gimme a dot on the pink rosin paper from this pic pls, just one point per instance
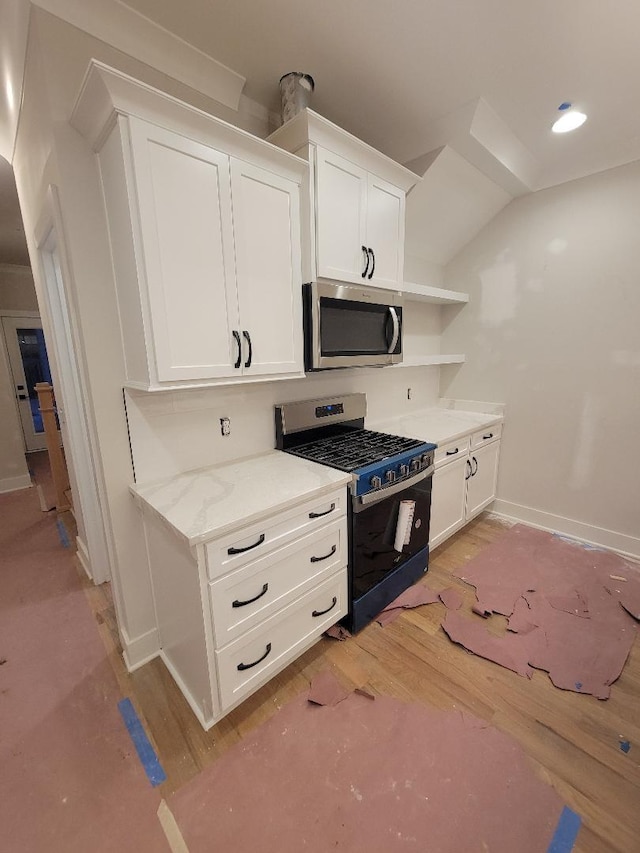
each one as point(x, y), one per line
point(562, 603)
point(629, 597)
point(70, 777)
point(379, 776)
point(511, 651)
point(415, 596)
point(326, 689)
point(451, 598)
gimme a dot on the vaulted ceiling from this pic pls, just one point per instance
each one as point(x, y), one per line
point(402, 75)
point(387, 71)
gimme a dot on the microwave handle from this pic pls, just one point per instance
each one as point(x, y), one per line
point(396, 329)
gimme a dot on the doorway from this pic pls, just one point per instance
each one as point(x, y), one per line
point(29, 365)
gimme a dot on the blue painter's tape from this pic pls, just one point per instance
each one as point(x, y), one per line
point(566, 832)
point(146, 752)
point(62, 533)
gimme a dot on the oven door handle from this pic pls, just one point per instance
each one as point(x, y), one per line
point(361, 502)
point(396, 328)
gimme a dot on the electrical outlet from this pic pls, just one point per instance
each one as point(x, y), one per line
point(225, 426)
point(408, 393)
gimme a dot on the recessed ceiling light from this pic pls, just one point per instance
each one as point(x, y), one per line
point(569, 120)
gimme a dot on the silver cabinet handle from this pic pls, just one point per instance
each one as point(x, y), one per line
point(396, 329)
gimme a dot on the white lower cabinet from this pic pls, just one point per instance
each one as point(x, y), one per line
point(448, 499)
point(235, 610)
point(481, 478)
point(253, 658)
point(464, 481)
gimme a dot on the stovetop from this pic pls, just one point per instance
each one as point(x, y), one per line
point(331, 431)
point(355, 449)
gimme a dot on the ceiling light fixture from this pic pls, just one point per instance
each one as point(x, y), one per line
point(569, 120)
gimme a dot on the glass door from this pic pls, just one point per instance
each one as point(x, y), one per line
point(29, 365)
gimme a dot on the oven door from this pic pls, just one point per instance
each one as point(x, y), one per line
point(351, 326)
point(379, 572)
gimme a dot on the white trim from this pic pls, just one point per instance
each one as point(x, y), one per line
point(83, 557)
point(49, 235)
point(627, 546)
point(132, 33)
point(12, 484)
point(140, 650)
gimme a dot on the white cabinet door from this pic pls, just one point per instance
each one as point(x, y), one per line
point(448, 500)
point(266, 211)
point(185, 226)
point(341, 202)
point(481, 486)
point(385, 231)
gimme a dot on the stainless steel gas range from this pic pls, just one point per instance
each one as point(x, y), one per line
point(390, 504)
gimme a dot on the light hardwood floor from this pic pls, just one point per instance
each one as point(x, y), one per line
point(572, 739)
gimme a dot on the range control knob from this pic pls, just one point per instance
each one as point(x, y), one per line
point(426, 459)
point(376, 482)
point(415, 464)
point(404, 470)
point(390, 476)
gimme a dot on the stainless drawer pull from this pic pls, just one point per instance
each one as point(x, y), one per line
point(248, 548)
point(322, 612)
point(487, 436)
point(237, 603)
point(326, 556)
point(320, 514)
point(452, 452)
point(243, 666)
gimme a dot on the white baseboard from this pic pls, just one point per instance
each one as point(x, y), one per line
point(83, 556)
point(12, 484)
point(139, 650)
point(627, 546)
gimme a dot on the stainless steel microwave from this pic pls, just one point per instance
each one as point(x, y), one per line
point(351, 326)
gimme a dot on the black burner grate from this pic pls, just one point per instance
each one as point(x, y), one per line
point(355, 449)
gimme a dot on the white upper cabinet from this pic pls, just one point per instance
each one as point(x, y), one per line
point(266, 211)
point(183, 194)
point(204, 227)
point(385, 232)
point(341, 221)
point(359, 223)
point(355, 216)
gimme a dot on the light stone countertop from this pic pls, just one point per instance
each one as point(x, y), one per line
point(438, 425)
point(210, 502)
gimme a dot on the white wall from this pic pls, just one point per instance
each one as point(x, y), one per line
point(552, 329)
point(17, 291)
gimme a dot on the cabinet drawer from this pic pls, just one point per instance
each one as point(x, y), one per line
point(451, 451)
point(256, 656)
point(242, 547)
point(484, 436)
point(250, 594)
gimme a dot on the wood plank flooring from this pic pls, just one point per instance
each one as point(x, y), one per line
point(572, 739)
